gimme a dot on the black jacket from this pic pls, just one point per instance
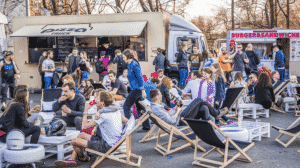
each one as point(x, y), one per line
point(99, 66)
point(193, 108)
point(15, 118)
point(264, 94)
point(165, 95)
point(253, 59)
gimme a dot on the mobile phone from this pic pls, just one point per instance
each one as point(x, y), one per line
point(180, 105)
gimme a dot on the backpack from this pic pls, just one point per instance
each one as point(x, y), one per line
point(121, 63)
point(99, 66)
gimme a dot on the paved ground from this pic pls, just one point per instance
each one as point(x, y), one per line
point(265, 154)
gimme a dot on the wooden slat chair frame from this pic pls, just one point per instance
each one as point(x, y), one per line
point(277, 91)
point(227, 145)
point(284, 132)
point(297, 112)
point(174, 133)
point(127, 138)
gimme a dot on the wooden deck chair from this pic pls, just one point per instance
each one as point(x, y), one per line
point(126, 136)
point(278, 89)
point(205, 131)
point(292, 130)
point(174, 133)
point(297, 97)
point(49, 96)
point(231, 98)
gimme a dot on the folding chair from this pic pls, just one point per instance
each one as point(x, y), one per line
point(49, 97)
point(204, 130)
point(278, 89)
point(297, 97)
point(126, 136)
point(292, 130)
point(173, 132)
point(231, 98)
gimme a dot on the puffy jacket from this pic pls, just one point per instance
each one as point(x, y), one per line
point(15, 118)
point(135, 76)
point(182, 60)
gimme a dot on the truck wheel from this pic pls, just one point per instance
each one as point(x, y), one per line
point(175, 80)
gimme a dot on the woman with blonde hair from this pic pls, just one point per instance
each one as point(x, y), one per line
point(164, 88)
point(238, 81)
point(291, 87)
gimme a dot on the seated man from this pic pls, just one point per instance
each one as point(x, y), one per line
point(251, 84)
point(72, 106)
point(197, 109)
point(193, 85)
point(109, 122)
point(117, 88)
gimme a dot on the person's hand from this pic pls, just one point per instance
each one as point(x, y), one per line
point(144, 94)
point(37, 123)
point(1, 63)
point(217, 103)
point(62, 98)
point(94, 131)
point(97, 115)
point(66, 109)
point(87, 106)
point(209, 97)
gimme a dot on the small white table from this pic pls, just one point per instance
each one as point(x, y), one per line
point(2, 161)
point(256, 130)
point(59, 145)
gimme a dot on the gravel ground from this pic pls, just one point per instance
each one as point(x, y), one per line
point(265, 154)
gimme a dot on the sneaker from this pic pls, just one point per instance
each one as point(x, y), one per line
point(229, 122)
point(65, 163)
point(223, 112)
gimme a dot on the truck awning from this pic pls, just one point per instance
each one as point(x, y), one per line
point(88, 29)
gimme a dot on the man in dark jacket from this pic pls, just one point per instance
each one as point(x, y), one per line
point(253, 58)
point(73, 61)
point(100, 69)
point(121, 64)
point(41, 60)
point(72, 106)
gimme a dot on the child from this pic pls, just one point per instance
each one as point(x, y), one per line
point(160, 74)
point(220, 89)
point(291, 87)
point(238, 81)
point(207, 90)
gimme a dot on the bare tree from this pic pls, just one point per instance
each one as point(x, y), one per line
point(142, 5)
point(88, 6)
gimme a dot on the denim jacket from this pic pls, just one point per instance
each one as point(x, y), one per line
point(159, 62)
point(135, 76)
point(220, 89)
point(279, 60)
point(182, 60)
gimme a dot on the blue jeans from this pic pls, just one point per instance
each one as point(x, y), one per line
point(183, 75)
point(281, 73)
point(48, 82)
point(133, 97)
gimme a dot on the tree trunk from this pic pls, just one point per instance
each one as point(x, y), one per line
point(157, 5)
point(54, 7)
point(174, 7)
point(142, 5)
point(276, 14)
point(232, 13)
point(45, 4)
point(88, 6)
point(151, 5)
point(288, 14)
point(272, 12)
point(118, 4)
point(267, 15)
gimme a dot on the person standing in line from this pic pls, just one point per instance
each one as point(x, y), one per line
point(121, 64)
point(240, 59)
point(253, 58)
point(136, 83)
point(279, 62)
point(48, 67)
point(73, 61)
point(224, 62)
point(41, 60)
point(195, 60)
point(210, 59)
point(84, 66)
point(182, 63)
point(101, 69)
point(8, 69)
point(159, 60)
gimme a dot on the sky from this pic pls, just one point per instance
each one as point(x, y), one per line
point(203, 7)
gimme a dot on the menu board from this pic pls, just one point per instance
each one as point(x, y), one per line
point(295, 49)
point(64, 47)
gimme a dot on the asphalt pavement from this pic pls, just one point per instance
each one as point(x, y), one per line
point(266, 153)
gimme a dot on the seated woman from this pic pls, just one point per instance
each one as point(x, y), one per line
point(88, 90)
point(291, 87)
point(238, 81)
point(15, 116)
point(264, 93)
point(82, 86)
point(69, 79)
point(108, 120)
point(124, 78)
point(76, 76)
point(164, 87)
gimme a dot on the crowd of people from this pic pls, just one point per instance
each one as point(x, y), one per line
point(206, 85)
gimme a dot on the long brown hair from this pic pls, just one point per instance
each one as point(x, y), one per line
point(19, 87)
point(21, 97)
point(204, 55)
point(264, 80)
point(77, 74)
point(166, 82)
point(219, 72)
point(83, 80)
point(209, 71)
point(238, 77)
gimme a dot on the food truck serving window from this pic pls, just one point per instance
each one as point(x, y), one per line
point(39, 44)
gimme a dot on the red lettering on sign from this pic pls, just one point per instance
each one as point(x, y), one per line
point(289, 34)
point(246, 35)
point(233, 35)
point(293, 34)
point(275, 34)
point(241, 35)
point(271, 35)
point(258, 35)
point(297, 34)
point(281, 34)
point(254, 35)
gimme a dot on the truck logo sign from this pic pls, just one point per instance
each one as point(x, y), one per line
point(63, 31)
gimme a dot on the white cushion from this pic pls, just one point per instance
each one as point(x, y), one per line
point(288, 99)
point(249, 105)
point(48, 106)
